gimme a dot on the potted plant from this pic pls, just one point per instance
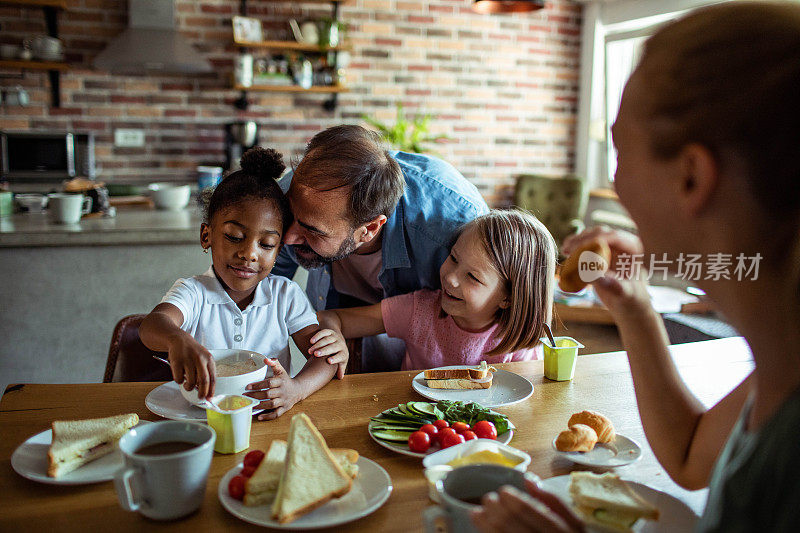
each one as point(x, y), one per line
point(406, 135)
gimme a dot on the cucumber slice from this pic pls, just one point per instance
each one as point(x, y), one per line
point(392, 435)
point(424, 408)
point(404, 429)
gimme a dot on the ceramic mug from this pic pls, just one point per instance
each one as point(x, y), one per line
point(461, 490)
point(168, 482)
point(67, 208)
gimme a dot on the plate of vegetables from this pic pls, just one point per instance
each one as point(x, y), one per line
point(421, 428)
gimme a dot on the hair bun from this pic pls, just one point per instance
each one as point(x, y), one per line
point(263, 162)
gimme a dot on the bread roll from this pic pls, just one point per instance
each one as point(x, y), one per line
point(569, 279)
point(578, 438)
point(600, 424)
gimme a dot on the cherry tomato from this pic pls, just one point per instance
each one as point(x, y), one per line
point(469, 435)
point(236, 487)
point(441, 424)
point(253, 458)
point(452, 439)
point(430, 429)
point(460, 427)
point(419, 442)
point(443, 433)
point(485, 430)
point(248, 471)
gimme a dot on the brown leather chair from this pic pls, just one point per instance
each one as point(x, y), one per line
point(129, 359)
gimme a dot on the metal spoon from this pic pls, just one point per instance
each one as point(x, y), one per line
point(550, 335)
point(203, 403)
point(157, 358)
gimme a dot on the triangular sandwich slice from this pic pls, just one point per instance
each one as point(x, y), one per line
point(77, 442)
point(607, 502)
point(311, 475)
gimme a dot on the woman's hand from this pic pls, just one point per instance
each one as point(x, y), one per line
point(278, 392)
point(191, 365)
point(511, 510)
point(328, 342)
point(623, 289)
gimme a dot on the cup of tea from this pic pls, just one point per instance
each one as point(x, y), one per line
point(65, 208)
point(462, 489)
point(166, 469)
point(560, 360)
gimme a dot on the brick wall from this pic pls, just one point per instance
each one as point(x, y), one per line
point(503, 87)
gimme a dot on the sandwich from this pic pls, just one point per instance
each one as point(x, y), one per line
point(606, 502)
point(262, 486)
point(77, 442)
point(460, 378)
point(311, 475)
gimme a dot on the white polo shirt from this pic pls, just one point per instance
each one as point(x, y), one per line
point(279, 308)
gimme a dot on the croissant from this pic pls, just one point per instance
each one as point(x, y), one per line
point(578, 438)
point(600, 424)
point(569, 278)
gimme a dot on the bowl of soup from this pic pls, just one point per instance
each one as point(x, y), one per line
point(235, 370)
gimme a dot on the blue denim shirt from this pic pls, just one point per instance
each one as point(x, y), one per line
point(417, 237)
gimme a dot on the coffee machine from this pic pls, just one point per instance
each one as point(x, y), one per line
point(239, 137)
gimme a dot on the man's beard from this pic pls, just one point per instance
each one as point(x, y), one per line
point(347, 248)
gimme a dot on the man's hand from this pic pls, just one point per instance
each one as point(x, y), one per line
point(191, 365)
point(328, 342)
point(278, 392)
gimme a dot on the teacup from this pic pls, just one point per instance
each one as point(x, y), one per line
point(461, 490)
point(67, 208)
point(166, 469)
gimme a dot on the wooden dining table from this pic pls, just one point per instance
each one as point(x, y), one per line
point(341, 410)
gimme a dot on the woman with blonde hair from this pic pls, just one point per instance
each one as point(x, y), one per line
point(707, 137)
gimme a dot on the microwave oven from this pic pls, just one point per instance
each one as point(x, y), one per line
point(46, 156)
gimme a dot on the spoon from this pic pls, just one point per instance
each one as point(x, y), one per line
point(157, 358)
point(205, 404)
point(550, 335)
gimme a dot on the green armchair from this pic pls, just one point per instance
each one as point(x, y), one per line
point(559, 203)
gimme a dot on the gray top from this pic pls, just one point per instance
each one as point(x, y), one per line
point(130, 226)
point(755, 485)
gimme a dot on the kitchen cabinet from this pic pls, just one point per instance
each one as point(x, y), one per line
point(293, 49)
point(53, 68)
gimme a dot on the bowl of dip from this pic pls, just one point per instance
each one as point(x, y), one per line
point(236, 369)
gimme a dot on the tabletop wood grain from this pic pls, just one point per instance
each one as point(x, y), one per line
point(341, 411)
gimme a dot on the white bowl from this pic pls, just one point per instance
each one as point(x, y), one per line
point(232, 384)
point(34, 203)
point(169, 196)
point(442, 457)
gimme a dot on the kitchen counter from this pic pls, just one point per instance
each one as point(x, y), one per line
point(131, 226)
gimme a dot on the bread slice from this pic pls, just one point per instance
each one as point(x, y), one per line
point(262, 486)
point(479, 372)
point(460, 383)
point(77, 442)
point(608, 502)
point(311, 476)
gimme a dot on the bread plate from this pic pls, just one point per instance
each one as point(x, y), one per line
point(621, 452)
point(29, 460)
point(507, 388)
point(371, 488)
point(675, 515)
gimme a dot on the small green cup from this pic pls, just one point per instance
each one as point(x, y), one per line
point(559, 360)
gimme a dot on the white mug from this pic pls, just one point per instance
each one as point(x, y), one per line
point(67, 208)
point(169, 485)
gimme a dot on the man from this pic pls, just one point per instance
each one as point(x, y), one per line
point(370, 223)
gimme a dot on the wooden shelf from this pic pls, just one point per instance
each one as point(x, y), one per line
point(61, 4)
point(293, 88)
point(33, 65)
point(291, 45)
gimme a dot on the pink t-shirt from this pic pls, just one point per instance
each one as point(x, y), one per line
point(433, 341)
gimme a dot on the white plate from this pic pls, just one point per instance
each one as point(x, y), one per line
point(371, 488)
point(507, 388)
point(675, 515)
point(505, 438)
point(621, 452)
point(167, 401)
point(29, 460)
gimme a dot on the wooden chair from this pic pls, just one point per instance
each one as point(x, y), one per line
point(129, 359)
